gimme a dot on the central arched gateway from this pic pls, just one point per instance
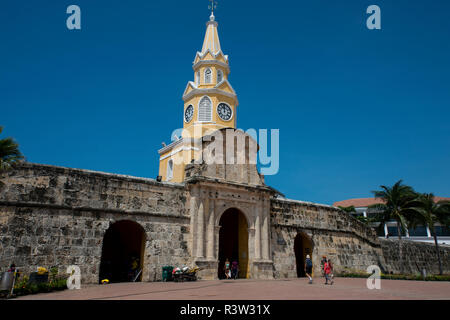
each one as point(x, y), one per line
point(123, 252)
point(303, 246)
point(233, 241)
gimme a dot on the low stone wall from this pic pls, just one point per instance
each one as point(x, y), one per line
point(58, 216)
point(410, 257)
point(350, 244)
point(340, 237)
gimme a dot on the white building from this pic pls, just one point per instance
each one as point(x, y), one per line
point(421, 233)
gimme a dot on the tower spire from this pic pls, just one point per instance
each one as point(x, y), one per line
point(212, 6)
point(211, 41)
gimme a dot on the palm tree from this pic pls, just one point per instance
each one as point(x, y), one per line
point(9, 153)
point(425, 211)
point(396, 201)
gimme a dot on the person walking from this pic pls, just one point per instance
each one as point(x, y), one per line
point(308, 268)
point(227, 269)
point(330, 265)
point(234, 269)
point(328, 270)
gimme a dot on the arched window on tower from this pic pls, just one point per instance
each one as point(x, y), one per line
point(208, 74)
point(170, 170)
point(197, 77)
point(219, 76)
point(205, 110)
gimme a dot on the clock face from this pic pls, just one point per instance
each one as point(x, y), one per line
point(189, 113)
point(224, 111)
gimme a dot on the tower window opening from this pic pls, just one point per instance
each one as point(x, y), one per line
point(205, 110)
point(197, 78)
point(170, 170)
point(208, 75)
point(219, 76)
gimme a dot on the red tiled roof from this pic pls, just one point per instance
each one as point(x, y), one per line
point(365, 202)
point(437, 199)
point(360, 202)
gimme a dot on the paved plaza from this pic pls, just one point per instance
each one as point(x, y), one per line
point(285, 289)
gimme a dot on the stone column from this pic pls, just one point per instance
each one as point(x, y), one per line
point(193, 224)
point(201, 229)
point(210, 242)
point(265, 232)
point(216, 241)
point(251, 253)
point(257, 231)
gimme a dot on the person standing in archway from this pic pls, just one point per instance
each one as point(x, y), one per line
point(227, 269)
point(134, 268)
point(234, 269)
point(308, 268)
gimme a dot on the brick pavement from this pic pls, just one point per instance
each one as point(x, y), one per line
point(282, 289)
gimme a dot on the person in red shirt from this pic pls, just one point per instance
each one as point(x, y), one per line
point(328, 270)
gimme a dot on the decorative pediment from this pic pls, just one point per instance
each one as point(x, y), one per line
point(189, 88)
point(225, 86)
point(209, 55)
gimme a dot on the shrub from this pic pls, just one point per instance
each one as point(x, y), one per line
point(33, 288)
point(56, 283)
point(53, 272)
point(59, 284)
point(415, 277)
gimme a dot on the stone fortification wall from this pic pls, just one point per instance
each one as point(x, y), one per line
point(58, 216)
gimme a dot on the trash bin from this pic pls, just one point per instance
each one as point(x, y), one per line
point(167, 273)
point(6, 281)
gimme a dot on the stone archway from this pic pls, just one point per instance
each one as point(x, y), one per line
point(122, 250)
point(303, 246)
point(233, 241)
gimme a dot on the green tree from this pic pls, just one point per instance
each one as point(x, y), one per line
point(396, 202)
point(364, 220)
point(425, 211)
point(351, 209)
point(9, 153)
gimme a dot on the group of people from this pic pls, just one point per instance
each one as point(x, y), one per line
point(326, 267)
point(231, 269)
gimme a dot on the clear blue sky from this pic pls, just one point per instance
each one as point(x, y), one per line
point(356, 108)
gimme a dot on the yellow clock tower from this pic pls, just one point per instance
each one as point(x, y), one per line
point(210, 104)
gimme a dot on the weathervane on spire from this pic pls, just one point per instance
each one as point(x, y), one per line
point(212, 6)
